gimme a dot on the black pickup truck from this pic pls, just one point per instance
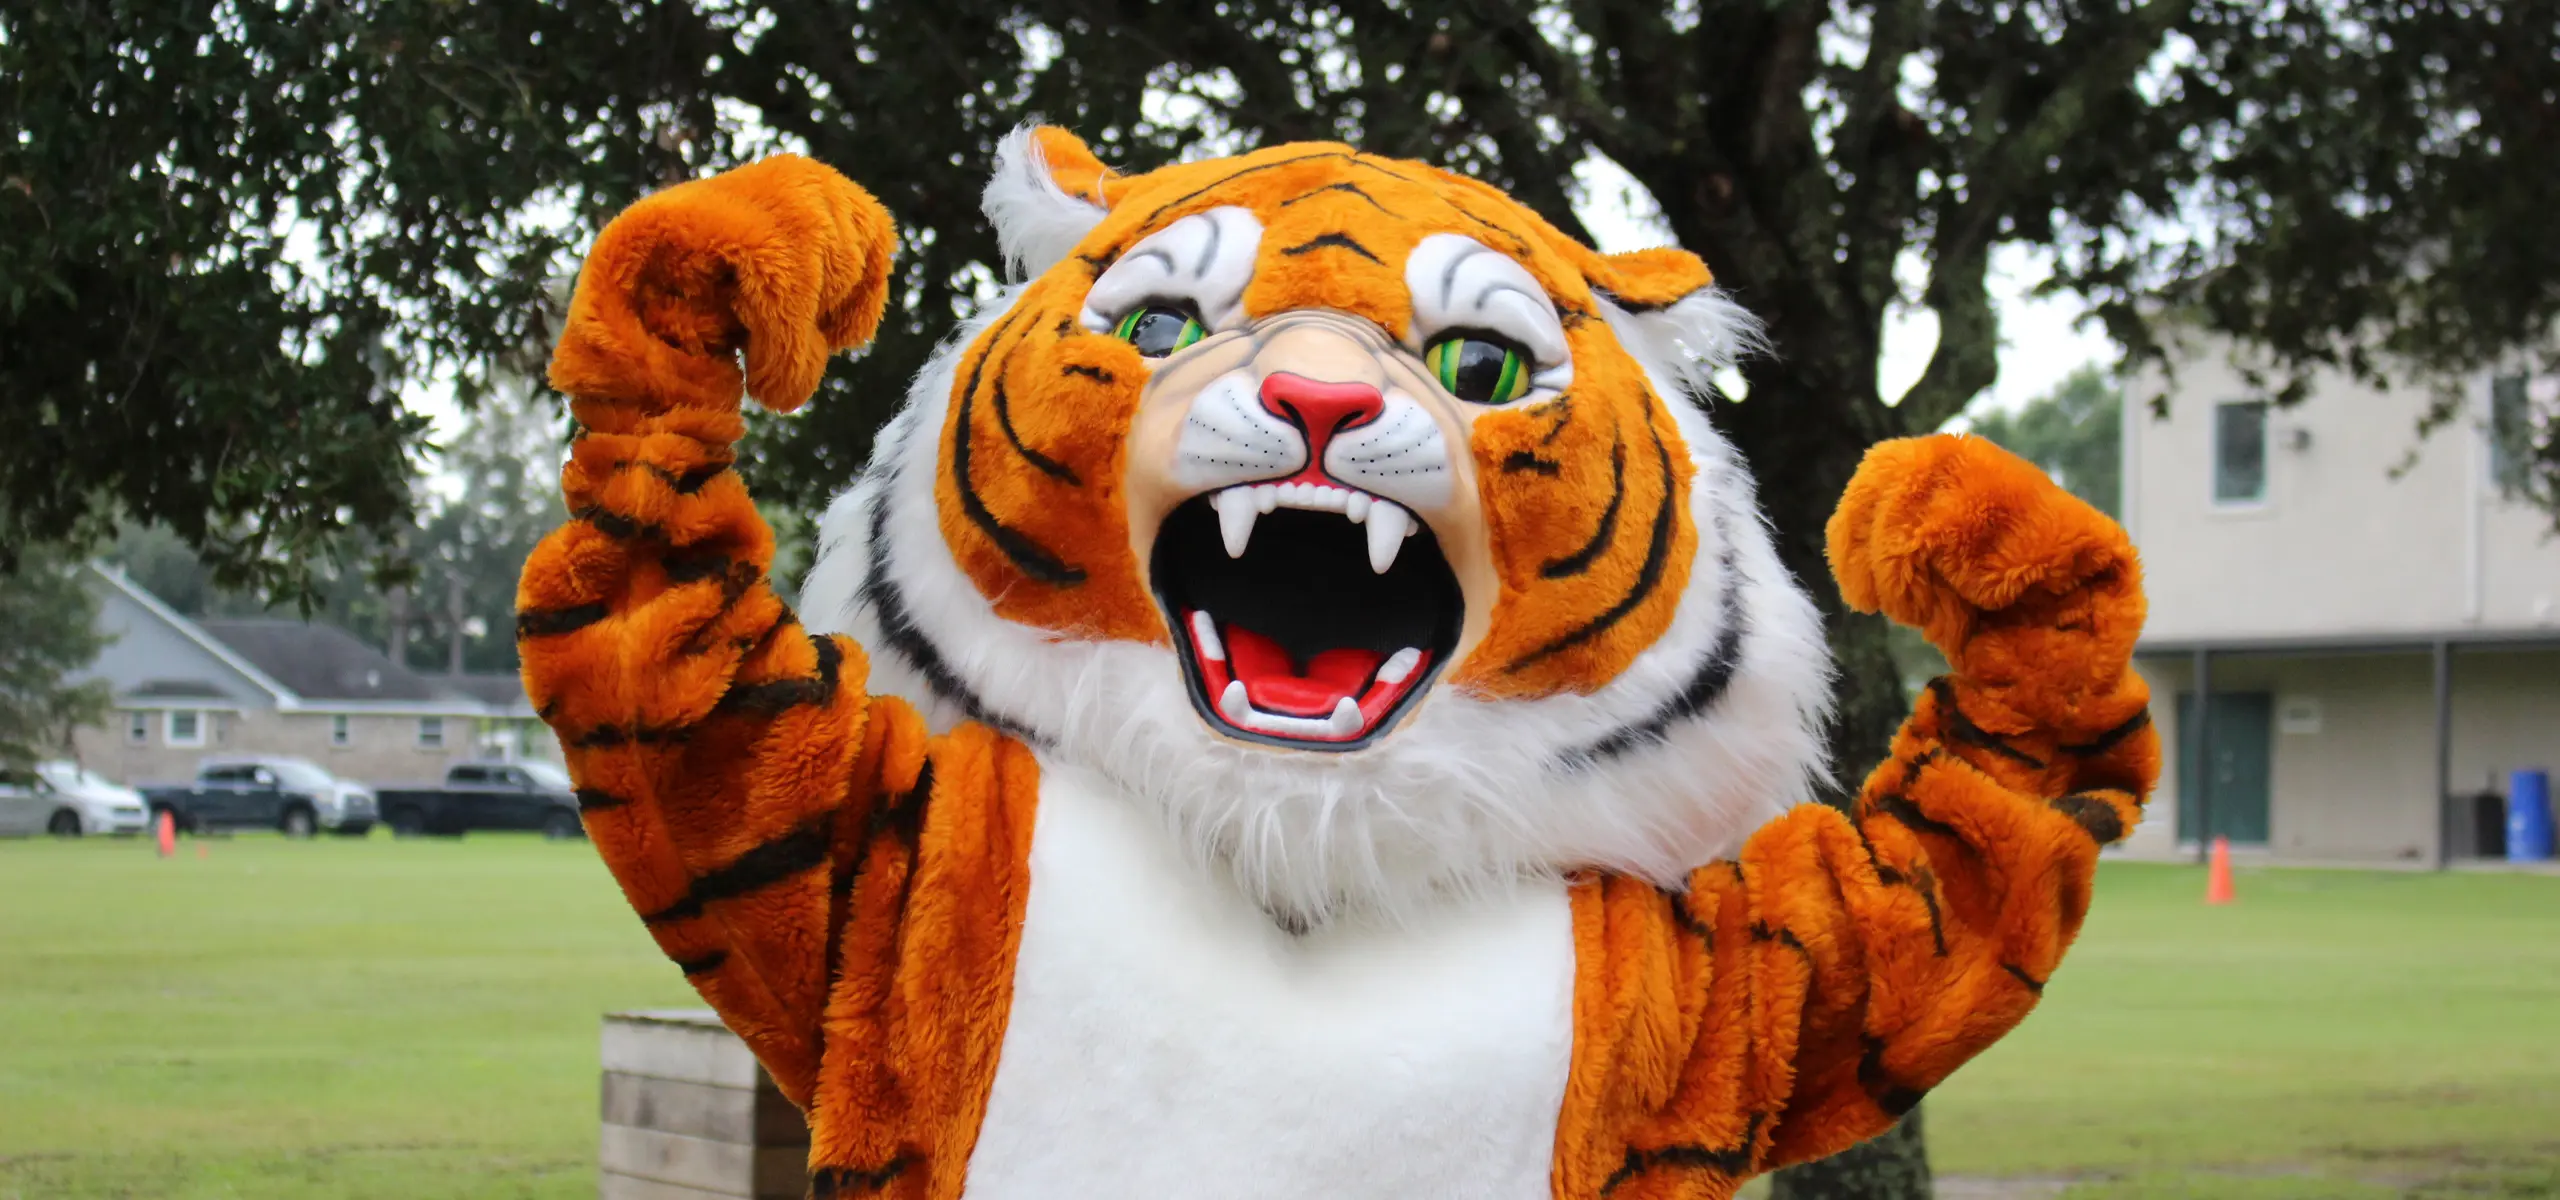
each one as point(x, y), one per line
point(487, 795)
point(292, 795)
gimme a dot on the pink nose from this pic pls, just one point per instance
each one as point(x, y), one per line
point(1322, 409)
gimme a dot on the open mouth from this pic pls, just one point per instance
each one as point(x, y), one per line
point(1305, 614)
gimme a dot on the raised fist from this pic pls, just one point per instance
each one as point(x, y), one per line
point(783, 259)
point(2013, 578)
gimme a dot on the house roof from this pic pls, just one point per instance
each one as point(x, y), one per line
point(499, 690)
point(320, 663)
point(176, 689)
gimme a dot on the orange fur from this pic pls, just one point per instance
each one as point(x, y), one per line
point(1798, 1000)
point(851, 912)
point(1587, 582)
point(848, 891)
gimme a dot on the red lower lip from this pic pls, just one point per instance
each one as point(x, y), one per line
point(1309, 691)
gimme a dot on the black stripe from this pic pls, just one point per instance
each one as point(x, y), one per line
point(1034, 559)
point(2093, 815)
point(1561, 408)
point(1706, 685)
point(1635, 306)
point(1518, 242)
point(1783, 936)
point(1004, 420)
point(615, 525)
point(903, 816)
point(1732, 1161)
point(552, 622)
point(1927, 885)
point(898, 628)
point(1148, 226)
point(703, 965)
point(1337, 241)
point(775, 696)
point(1352, 188)
point(2033, 984)
point(1648, 576)
point(1900, 808)
point(608, 737)
point(1961, 727)
point(1607, 531)
point(1096, 374)
point(1687, 920)
point(791, 854)
point(690, 481)
point(834, 1183)
point(694, 568)
point(593, 799)
point(2111, 738)
point(1890, 1095)
point(1522, 460)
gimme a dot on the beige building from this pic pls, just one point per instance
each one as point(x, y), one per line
point(2376, 615)
point(188, 688)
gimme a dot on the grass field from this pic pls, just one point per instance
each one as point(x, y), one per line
point(415, 1020)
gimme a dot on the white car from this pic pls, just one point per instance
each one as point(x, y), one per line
point(31, 801)
point(90, 802)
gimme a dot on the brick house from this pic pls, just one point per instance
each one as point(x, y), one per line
point(186, 688)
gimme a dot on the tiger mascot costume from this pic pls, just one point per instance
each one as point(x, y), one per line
point(1301, 703)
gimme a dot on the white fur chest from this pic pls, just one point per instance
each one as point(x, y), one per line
point(1167, 1041)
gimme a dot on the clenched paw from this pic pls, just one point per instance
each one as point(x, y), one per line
point(2006, 573)
point(784, 259)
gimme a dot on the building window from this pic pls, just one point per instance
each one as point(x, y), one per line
point(137, 728)
point(185, 727)
point(431, 733)
point(339, 734)
point(2240, 452)
point(2510, 434)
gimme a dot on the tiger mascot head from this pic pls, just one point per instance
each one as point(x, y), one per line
point(1348, 514)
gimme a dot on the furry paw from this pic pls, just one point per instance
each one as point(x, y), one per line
point(2010, 576)
point(784, 259)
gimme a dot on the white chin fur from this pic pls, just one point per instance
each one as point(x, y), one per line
point(1467, 795)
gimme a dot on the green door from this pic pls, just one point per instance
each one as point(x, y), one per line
point(2243, 745)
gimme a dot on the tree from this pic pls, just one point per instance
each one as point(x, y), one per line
point(502, 481)
point(2075, 432)
point(2336, 180)
point(52, 621)
point(454, 590)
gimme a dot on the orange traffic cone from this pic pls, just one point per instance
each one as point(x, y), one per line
point(2217, 879)
point(168, 834)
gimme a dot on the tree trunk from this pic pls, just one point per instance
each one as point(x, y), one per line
point(1894, 1163)
point(1810, 420)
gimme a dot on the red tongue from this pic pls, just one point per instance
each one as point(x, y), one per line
point(1274, 685)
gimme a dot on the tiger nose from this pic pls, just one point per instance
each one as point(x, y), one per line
point(1322, 409)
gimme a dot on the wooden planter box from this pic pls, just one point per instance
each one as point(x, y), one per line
point(688, 1115)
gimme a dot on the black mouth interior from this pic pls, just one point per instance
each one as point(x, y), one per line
point(1305, 583)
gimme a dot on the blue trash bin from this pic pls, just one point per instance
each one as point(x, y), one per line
point(2528, 816)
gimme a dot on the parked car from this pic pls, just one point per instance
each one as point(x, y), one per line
point(90, 802)
point(487, 795)
point(291, 795)
point(27, 802)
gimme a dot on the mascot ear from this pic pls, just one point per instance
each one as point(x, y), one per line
point(1048, 192)
point(1665, 306)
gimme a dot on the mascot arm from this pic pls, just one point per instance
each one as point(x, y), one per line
point(1869, 955)
point(729, 765)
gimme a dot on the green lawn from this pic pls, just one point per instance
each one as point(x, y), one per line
point(409, 1020)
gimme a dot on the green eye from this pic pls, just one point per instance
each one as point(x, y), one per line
point(1477, 369)
point(1159, 329)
